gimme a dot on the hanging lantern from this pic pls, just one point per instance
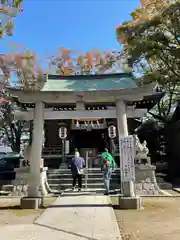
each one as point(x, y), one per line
point(63, 132)
point(112, 131)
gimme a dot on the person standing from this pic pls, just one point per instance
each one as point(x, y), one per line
point(108, 165)
point(77, 169)
point(76, 152)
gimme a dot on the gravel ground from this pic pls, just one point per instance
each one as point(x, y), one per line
point(159, 220)
point(10, 212)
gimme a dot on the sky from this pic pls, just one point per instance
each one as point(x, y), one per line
point(46, 25)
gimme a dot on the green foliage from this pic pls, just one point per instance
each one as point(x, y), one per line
point(8, 10)
point(10, 130)
point(152, 46)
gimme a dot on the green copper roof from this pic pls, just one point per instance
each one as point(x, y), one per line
point(84, 83)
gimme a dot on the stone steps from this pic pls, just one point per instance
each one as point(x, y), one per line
point(69, 185)
point(89, 180)
point(69, 175)
point(59, 179)
point(93, 170)
point(89, 186)
point(69, 192)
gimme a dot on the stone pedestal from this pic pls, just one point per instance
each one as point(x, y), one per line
point(20, 184)
point(146, 183)
point(30, 203)
point(128, 188)
point(130, 203)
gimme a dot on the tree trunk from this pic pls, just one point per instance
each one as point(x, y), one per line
point(17, 144)
point(16, 137)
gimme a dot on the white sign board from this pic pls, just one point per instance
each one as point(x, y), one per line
point(127, 155)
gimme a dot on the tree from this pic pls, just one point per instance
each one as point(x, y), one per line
point(152, 45)
point(8, 10)
point(30, 76)
point(10, 130)
point(68, 62)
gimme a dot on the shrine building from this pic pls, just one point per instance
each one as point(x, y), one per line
point(94, 111)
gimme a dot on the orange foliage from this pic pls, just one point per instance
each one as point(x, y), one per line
point(65, 56)
point(89, 61)
point(146, 12)
point(144, 2)
point(80, 60)
point(20, 63)
point(68, 62)
point(67, 51)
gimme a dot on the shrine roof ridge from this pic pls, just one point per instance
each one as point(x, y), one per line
point(88, 76)
point(86, 83)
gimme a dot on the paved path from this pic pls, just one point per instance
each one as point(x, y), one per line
point(72, 218)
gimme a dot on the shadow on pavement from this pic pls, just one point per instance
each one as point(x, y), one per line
point(65, 231)
point(16, 207)
point(80, 205)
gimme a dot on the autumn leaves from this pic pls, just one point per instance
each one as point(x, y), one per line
point(69, 62)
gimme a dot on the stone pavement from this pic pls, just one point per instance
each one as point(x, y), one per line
point(70, 217)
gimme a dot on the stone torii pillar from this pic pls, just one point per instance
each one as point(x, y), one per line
point(122, 132)
point(33, 199)
point(121, 118)
point(129, 200)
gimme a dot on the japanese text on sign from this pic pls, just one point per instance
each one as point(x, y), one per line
point(127, 155)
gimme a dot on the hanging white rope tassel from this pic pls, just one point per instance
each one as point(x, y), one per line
point(92, 124)
point(77, 124)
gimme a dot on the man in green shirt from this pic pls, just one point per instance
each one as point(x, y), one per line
point(108, 164)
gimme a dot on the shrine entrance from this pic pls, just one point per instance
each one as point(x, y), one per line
point(94, 140)
point(119, 94)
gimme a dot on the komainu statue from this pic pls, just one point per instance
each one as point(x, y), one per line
point(141, 152)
